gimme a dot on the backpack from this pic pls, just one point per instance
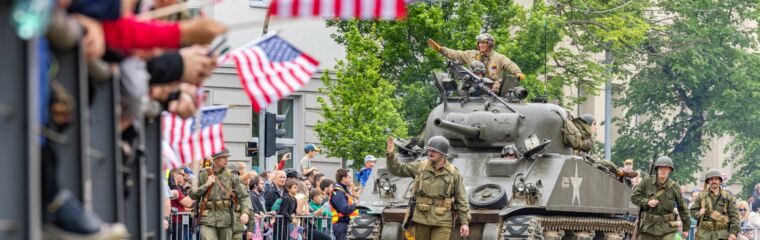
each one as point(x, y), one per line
point(571, 135)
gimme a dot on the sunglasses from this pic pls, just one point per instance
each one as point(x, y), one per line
point(742, 209)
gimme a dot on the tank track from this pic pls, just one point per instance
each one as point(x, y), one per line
point(365, 227)
point(560, 227)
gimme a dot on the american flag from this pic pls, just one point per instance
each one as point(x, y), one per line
point(346, 9)
point(271, 69)
point(182, 144)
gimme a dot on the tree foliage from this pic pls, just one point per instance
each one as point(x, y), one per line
point(360, 110)
point(695, 82)
point(524, 35)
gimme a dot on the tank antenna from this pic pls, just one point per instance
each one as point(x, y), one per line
point(545, 64)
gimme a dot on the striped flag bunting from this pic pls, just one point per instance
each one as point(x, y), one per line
point(345, 9)
point(271, 68)
point(181, 144)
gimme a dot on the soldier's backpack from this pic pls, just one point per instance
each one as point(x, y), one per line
point(571, 135)
point(587, 143)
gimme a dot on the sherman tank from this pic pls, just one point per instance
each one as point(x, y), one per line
point(522, 181)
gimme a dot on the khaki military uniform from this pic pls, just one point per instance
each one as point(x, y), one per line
point(439, 193)
point(216, 220)
point(660, 222)
point(721, 218)
point(495, 63)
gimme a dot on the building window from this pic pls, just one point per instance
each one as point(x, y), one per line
point(258, 3)
point(285, 107)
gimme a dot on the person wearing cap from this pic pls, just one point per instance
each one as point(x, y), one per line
point(495, 63)
point(438, 189)
point(363, 175)
point(305, 166)
point(657, 198)
point(715, 210)
point(226, 193)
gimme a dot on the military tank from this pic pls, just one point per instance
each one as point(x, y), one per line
point(522, 181)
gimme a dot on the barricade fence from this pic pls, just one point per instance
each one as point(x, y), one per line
point(267, 227)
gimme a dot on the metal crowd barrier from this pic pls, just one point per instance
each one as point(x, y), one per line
point(180, 226)
point(302, 228)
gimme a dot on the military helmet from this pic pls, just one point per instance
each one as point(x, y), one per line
point(439, 144)
point(478, 67)
point(485, 37)
point(713, 173)
point(664, 161)
point(588, 119)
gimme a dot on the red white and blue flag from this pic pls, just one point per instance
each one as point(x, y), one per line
point(271, 68)
point(345, 9)
point(182, 145)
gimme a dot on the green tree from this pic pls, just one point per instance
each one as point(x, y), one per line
point(693, 82)
point(360, 110)
point(523, 35)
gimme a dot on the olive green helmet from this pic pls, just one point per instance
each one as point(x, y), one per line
point(485, 37)
point(477, 67)
point(439, 144)
point(664, 161)
point(713, 173)
point(588, 118)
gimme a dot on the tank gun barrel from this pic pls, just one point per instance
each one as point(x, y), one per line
point(467, 131)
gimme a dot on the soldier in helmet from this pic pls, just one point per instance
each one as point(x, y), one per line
point(715, 210)
point(657, 197)
point(587, 131)
point(438, 190)
point(227, 194)
point(495, 63)
point(479, 69)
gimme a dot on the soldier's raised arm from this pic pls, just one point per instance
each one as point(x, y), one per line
point(458, 55)
point(196, 194)
point(396, 168)
point(639, 197)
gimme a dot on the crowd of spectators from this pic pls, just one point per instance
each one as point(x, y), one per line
point(284, 201)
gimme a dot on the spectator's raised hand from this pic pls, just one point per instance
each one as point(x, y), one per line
point(199, 31)
point(198, 65)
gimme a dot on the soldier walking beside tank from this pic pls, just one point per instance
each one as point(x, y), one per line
point(494, 62)
point(657, 198)
point(438, 189)
point(715, 210)
point(226, 194)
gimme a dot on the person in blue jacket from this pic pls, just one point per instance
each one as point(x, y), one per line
point(363, 175)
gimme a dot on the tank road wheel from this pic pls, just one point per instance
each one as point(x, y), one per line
point(614, 235)
point(364, 227)
point(522, 228)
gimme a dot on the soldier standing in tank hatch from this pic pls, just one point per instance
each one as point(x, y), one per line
point(495, 62)
point(438, 190)
point(715, 210)
point(226, 189)
point(657, 197)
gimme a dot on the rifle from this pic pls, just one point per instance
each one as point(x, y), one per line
point(641, 209)
point(204, 199)
point(479, 84)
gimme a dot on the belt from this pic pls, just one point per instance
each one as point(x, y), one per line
point(655, 217)
point(446, 202)
point(218, 205)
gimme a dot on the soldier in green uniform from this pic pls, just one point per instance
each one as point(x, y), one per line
point(238, 229)
point(494, 62)
point(657, 197)
point(438, 189)
point(216, 220)
point(715, 210)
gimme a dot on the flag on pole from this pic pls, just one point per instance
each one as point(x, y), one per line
point(271, 68)
point(345, 9)
point(182, 145)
